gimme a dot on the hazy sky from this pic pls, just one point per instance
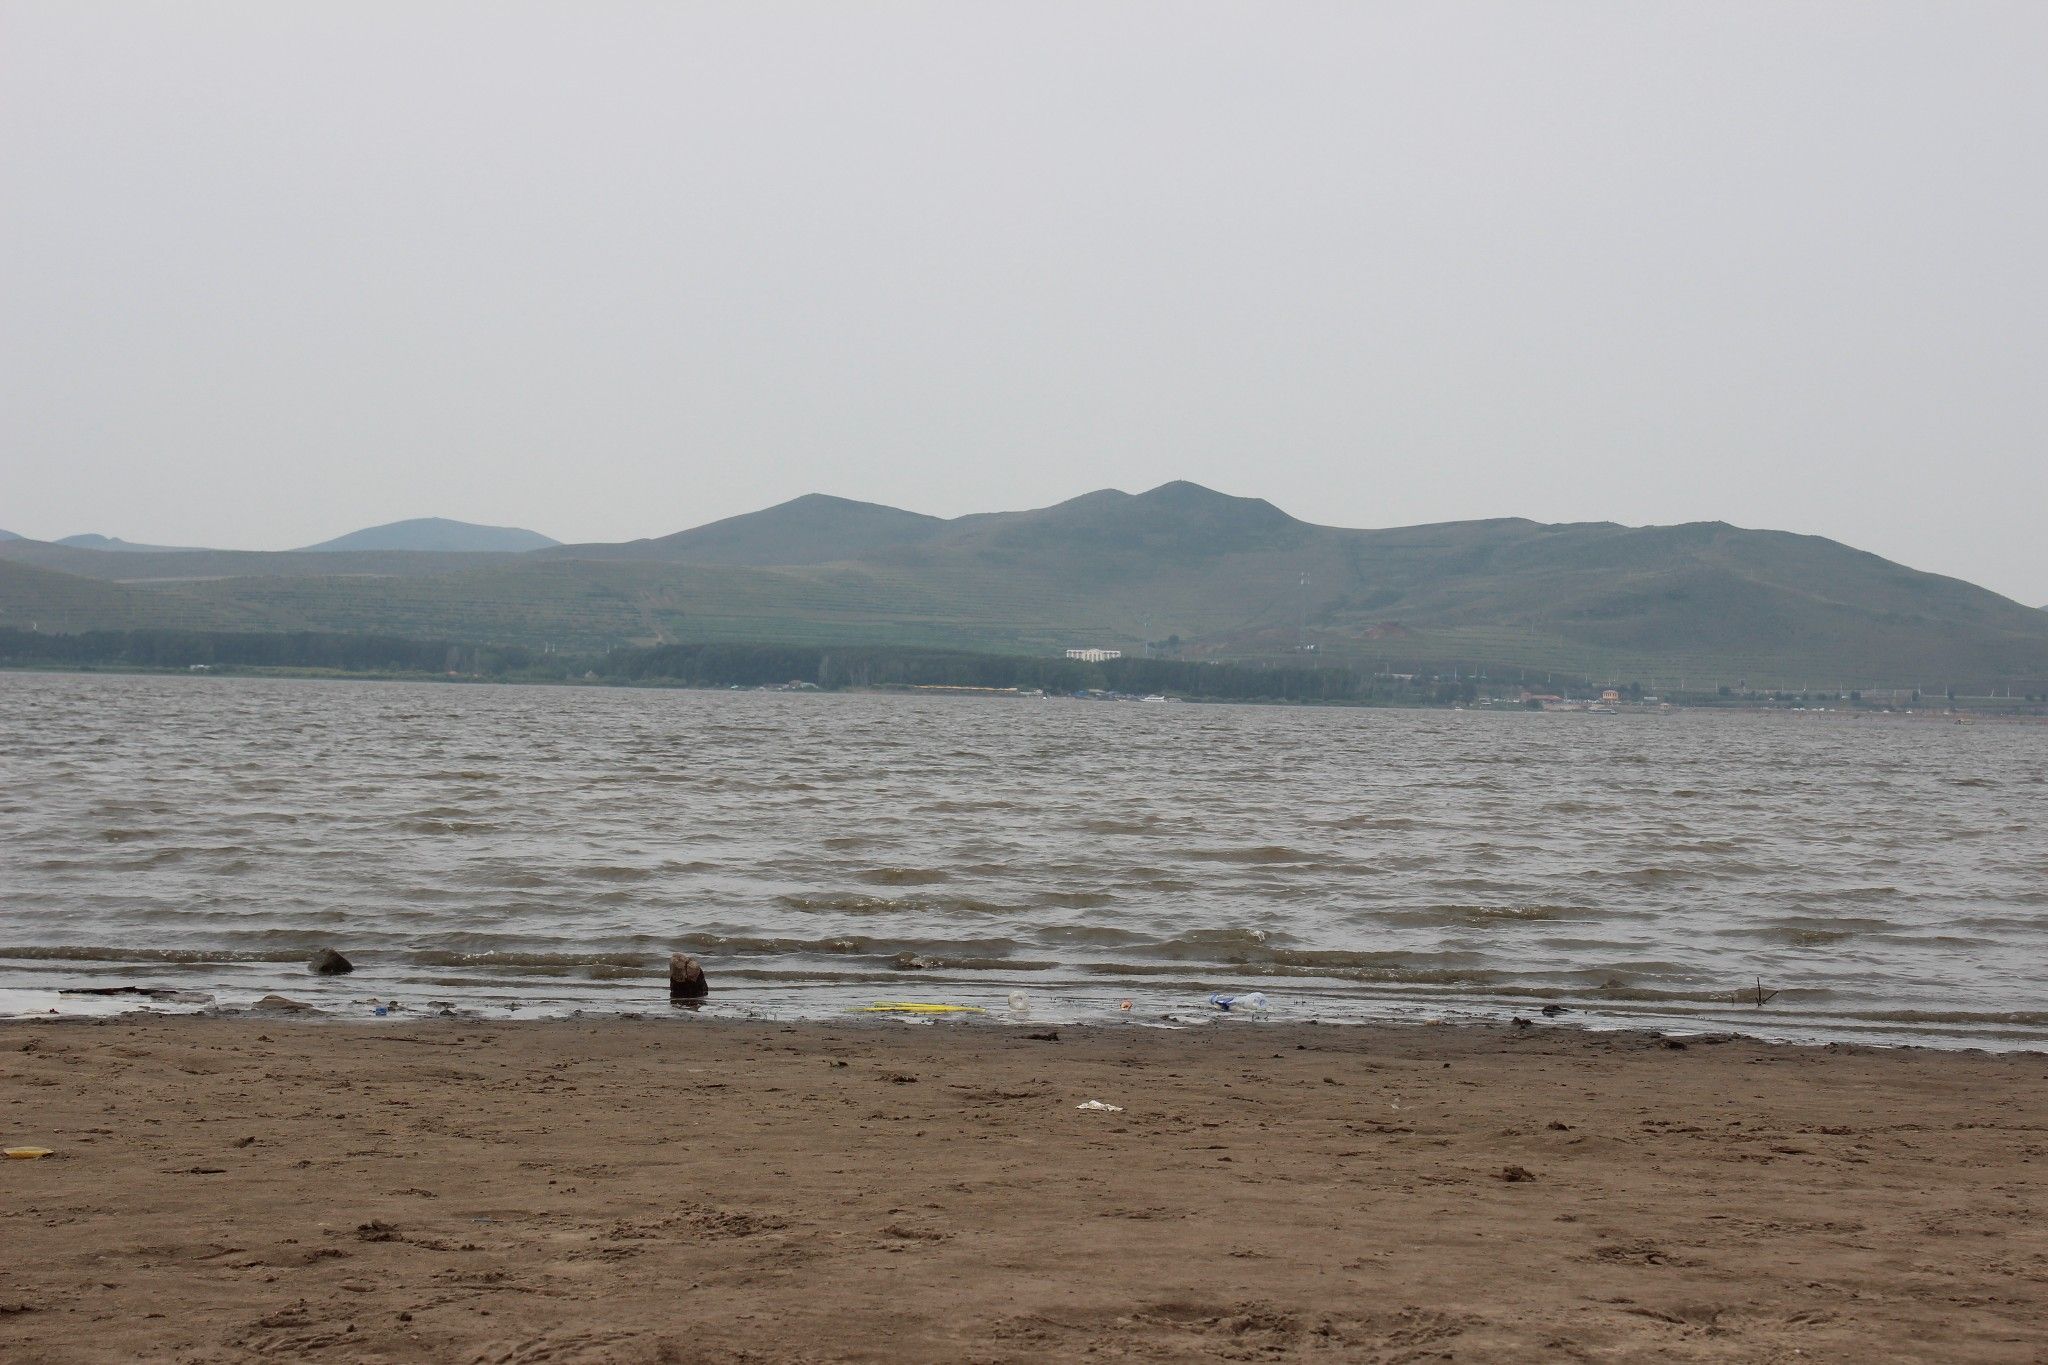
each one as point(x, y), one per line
point(272, 271)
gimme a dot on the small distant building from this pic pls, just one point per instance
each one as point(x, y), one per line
point(1095, 656)
point(1610, 697)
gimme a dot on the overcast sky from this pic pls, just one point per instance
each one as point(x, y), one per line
point(272, 271)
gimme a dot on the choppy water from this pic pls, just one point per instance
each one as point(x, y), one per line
point(547, 847)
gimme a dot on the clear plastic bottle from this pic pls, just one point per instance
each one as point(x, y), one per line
point(1251, 1002)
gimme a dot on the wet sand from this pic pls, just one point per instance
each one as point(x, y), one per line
point(684, 1189)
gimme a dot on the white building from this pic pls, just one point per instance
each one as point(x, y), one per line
point(1094, 656)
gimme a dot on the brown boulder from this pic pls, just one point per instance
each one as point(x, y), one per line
point(686, 978)
point(328, 962)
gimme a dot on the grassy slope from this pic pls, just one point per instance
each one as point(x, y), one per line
point(40, 599)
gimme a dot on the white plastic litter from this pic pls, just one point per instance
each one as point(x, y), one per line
point(1098, 1107)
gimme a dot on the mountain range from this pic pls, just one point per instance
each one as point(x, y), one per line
point(1179, 569)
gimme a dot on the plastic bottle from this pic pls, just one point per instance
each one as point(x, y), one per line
point(1252, 1002)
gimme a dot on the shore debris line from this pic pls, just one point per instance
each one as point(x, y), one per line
point(688, 985)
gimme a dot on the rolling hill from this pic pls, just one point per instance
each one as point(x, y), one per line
point(91, 541)
point(814, 529)
point(435, 534)
point(1197, 573)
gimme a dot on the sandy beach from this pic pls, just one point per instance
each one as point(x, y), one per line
point(686, 1189)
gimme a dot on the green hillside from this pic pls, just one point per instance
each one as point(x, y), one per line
point(41, 600)
point(1199, 574)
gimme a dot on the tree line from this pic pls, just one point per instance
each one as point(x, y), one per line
point(828, 667)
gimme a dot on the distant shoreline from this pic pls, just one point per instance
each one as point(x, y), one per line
point(1965, 709)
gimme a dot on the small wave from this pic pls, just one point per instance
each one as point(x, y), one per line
point(1645, 876)
point(851, 945)
point(1082, 900)
point(95, 953)
point(1109, 826)
point(1798, 936)
point(608, 872)
point(435, 957)
point(443, 825)
point(855, 903)
point(1094, 935)
point(518, 879)
point(1481, 914)
point(903, 876)
point(163, 857)
point(922, 962)
point(1207, 939)
point(1391, 973)
point(2029, 1018)
point(1261, 855)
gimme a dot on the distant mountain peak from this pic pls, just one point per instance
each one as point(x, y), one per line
point(437, 533)
point(1200, 520)
point(90, 541)
point(816, 528)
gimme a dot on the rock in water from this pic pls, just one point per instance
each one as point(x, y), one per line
point(327, 962)
point(686, 978)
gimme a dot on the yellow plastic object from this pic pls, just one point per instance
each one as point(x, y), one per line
point(26, 1153)
point(918, 1007)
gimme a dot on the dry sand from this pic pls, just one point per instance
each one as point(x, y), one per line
point(687, 1189)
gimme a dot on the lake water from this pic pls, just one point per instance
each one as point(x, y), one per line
point(544, 849)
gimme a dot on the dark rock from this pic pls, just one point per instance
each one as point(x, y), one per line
point(686, 978)
point(1516, 1174)
point(1554, 1010)
point(282, 1004)
point(328, 962)
point(1051, 1035)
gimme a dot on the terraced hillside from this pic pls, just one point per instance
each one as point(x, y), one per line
point(1194, 572)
